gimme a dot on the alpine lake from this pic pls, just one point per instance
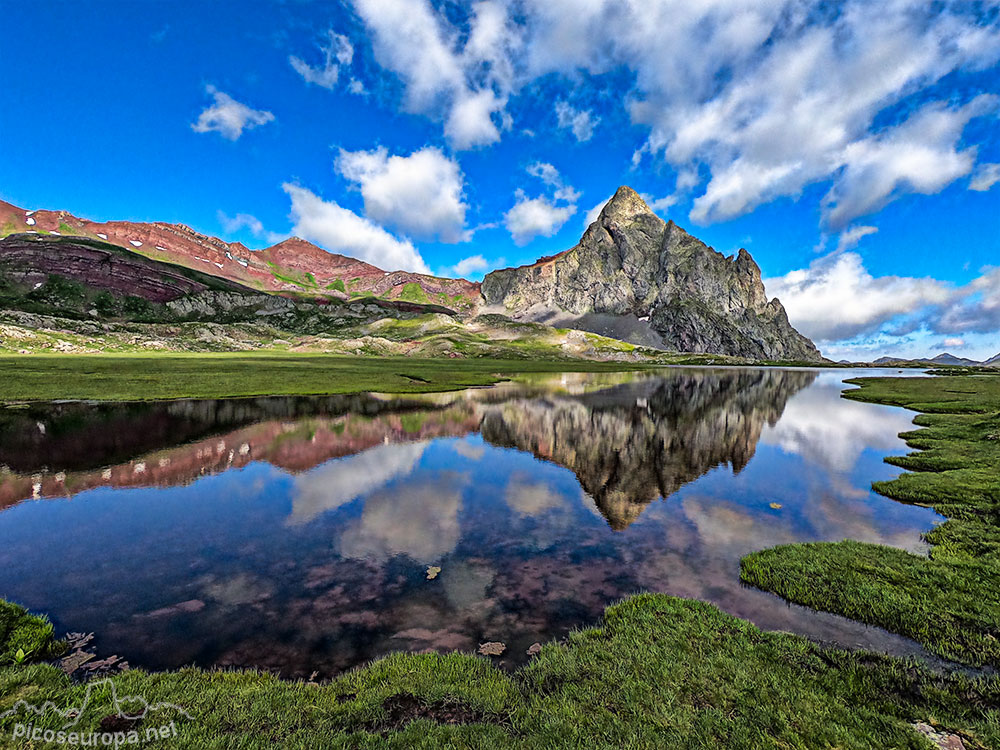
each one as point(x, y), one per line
point(309, 535)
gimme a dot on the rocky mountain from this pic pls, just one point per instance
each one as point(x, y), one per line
point(637, 278)
point(293, 267)
point(79, 277)
point(993, 361)
point(31, 259)
point(950, 359)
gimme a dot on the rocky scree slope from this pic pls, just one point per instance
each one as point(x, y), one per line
point(635, 277)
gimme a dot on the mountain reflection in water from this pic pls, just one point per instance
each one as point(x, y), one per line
point(294, 533)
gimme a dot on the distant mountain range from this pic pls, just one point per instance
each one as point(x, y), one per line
point(293, 267)
point(942, 359)
point(632, 277)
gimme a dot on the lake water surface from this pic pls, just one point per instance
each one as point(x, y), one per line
point(294, 534)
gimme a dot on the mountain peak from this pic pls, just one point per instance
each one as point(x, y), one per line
point(638, 278)
point(625, 204)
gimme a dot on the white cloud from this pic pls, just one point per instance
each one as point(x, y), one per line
point(535, 217)
point(917, 156)
point(763, 98)
point(851, 236)
point(342, 480)
point(551, 177)
point(856, 316)
point(799, 100)
point(542, 216)
point(977, 307)
point(240, 221)
point(235, 223)
point(836, 297)
point(229, 117)
point(340, 230)
point(461, 78)
point(581, 122)
point(420, 194)
point(985, 177)
point(527, 498)
point(755, 100)
point(832, 432)
point(338, 51)
point(470, 122)
point(592, 215)
point(425, 527)
point(545, 172)
point(474, 265)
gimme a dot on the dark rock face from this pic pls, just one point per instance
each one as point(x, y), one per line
point(184, 293)
point(636, 277)
point(32, 259)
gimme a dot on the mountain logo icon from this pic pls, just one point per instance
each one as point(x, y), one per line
point(100, 699)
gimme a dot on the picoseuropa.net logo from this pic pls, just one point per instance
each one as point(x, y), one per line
point(125, 720)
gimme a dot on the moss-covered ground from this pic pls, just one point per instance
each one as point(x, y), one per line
point(950, 600)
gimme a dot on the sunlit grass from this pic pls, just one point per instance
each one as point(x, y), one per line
point(660, 672)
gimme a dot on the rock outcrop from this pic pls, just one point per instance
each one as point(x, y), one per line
point(31, 259)
point(635, 277)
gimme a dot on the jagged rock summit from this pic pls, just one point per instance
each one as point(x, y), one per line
point(636, 277)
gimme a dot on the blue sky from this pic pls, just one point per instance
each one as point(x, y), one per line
point(853, 148)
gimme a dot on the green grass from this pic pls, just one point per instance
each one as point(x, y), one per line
point(25, 637)
point(413, 292)
point(660, 672)
point(953, 608)
point(949, 601)
point(167, 376)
